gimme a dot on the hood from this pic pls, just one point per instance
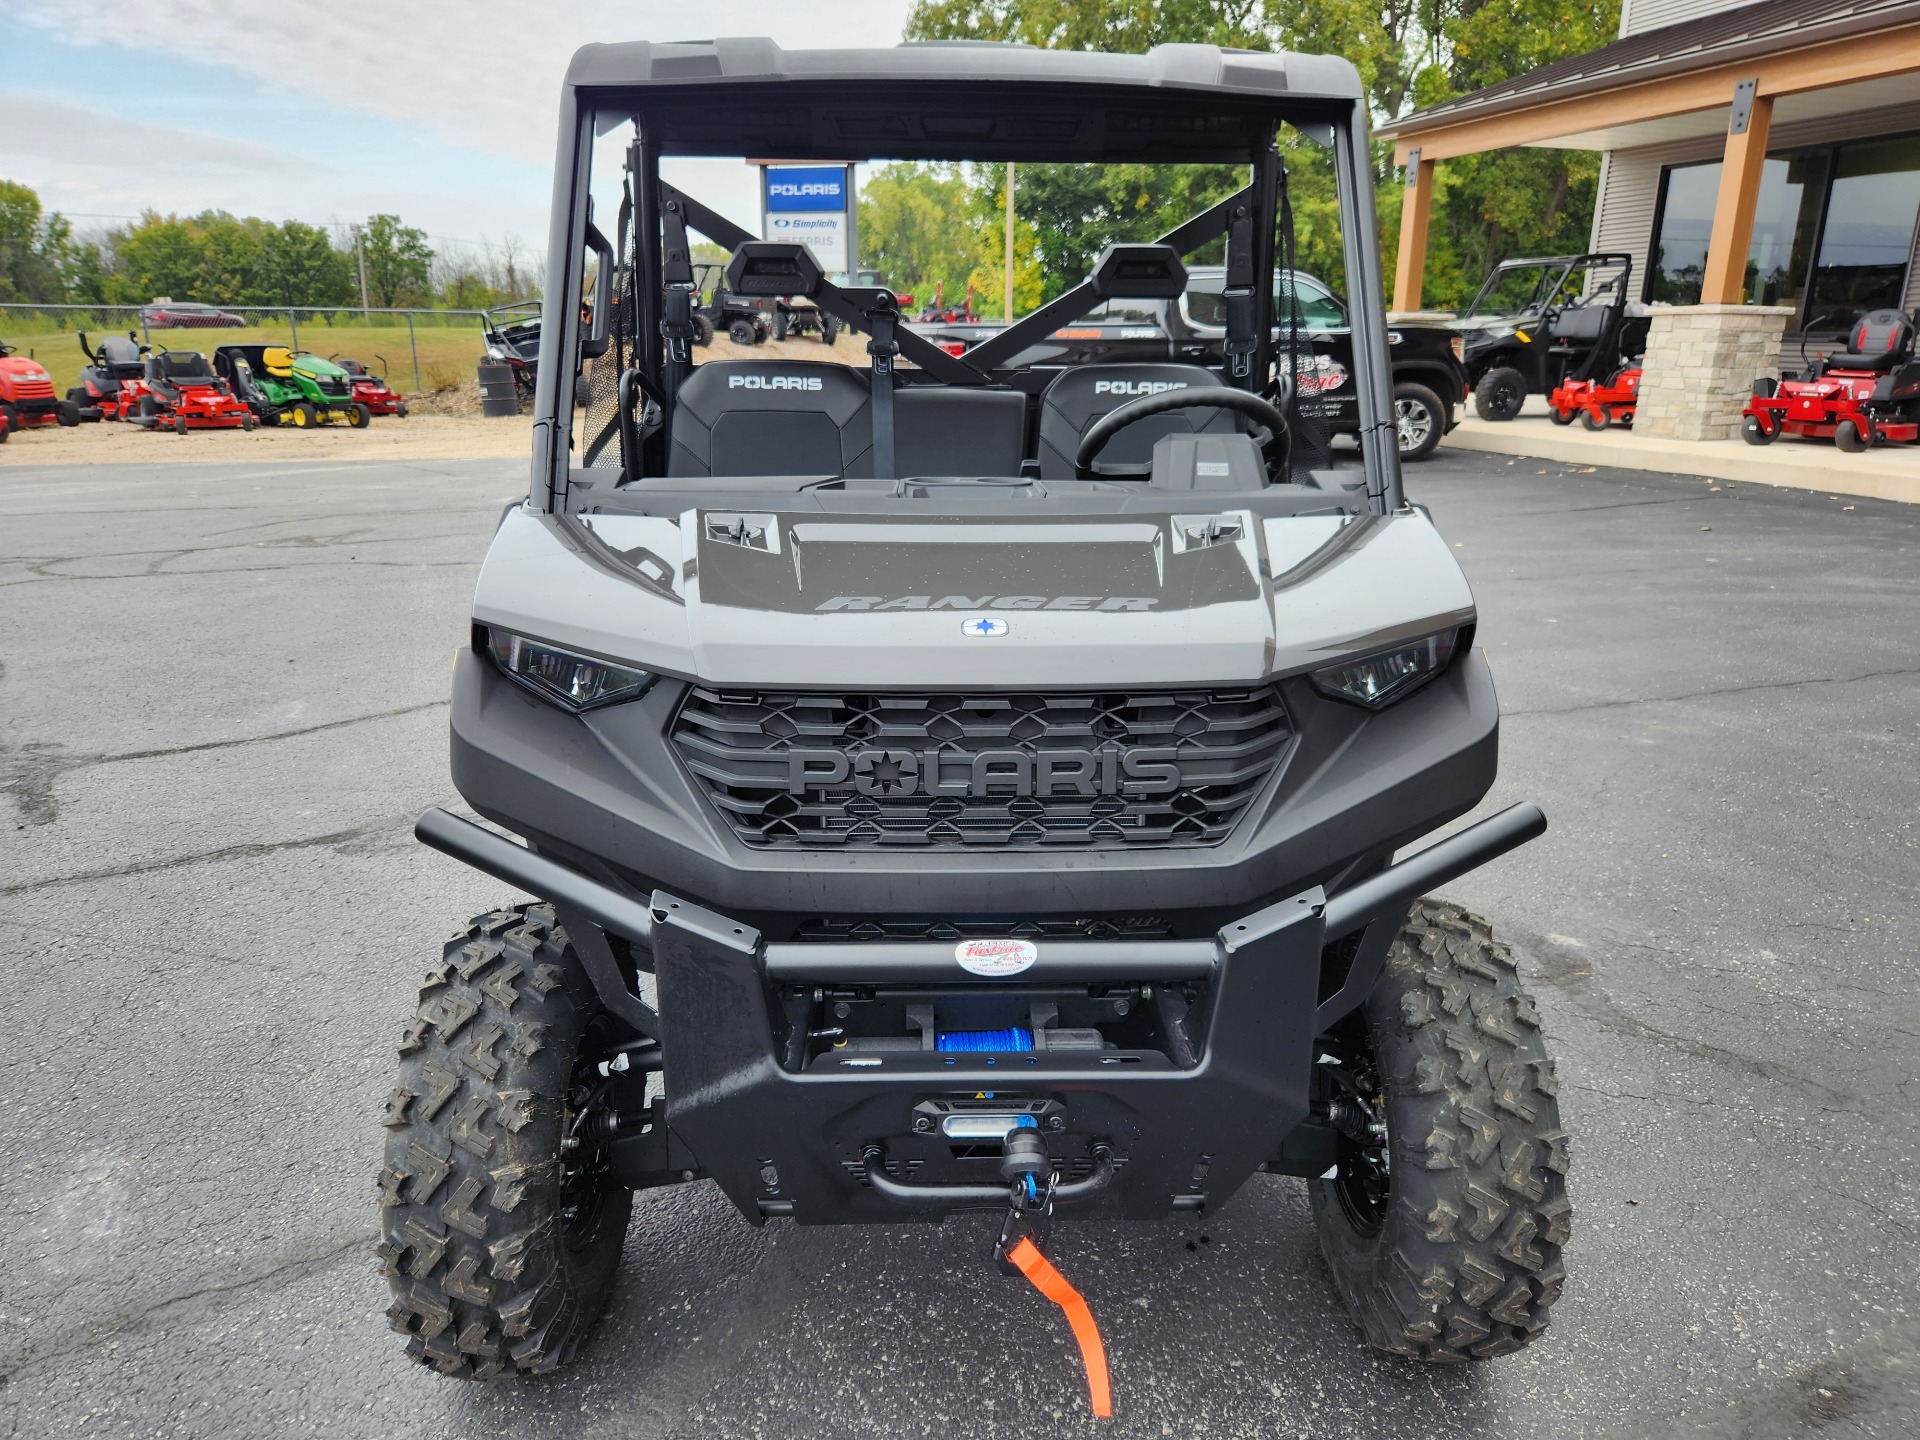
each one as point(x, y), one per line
point(730, 598)
point(320, 369)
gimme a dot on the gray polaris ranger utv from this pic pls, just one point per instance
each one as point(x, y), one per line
point(954, 787)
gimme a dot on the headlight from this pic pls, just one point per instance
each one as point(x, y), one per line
point(1378, 680)
point(577, 682)
point(1459, 348)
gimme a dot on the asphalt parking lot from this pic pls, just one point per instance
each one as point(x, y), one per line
point(222, 705)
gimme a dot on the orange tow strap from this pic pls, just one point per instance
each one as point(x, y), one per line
point(1052, 1284)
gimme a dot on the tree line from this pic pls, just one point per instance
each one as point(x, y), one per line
point(928, 224)
point(216, 258)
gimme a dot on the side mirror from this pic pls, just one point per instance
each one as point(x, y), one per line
point(594, 343)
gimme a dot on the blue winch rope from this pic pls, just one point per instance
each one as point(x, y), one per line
point(977, 1041)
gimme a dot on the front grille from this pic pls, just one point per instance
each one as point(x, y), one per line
point(1112, 770)
point(334, 385)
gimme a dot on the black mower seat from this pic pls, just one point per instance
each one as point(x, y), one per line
point(771, 417)
point(1585, 323)
point(1880, 341)
point(1081, 395)
point(941, 430)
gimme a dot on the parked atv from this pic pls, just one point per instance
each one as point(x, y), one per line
point(287, 387)
point(182, 393)
point(512, 335)
point(1866, 395)
point(958, 785)
point(372, 390)
point(26, 393)
point(743, 319)
point(1536, 322)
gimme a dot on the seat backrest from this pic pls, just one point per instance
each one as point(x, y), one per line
point(119, 350)
point(1585, 323)
point(277, 360)
point(957, 430)
point(1882, 332)
point(771, 417)
point(1081, 395)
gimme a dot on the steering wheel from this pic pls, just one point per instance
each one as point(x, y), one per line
point(1275, 444)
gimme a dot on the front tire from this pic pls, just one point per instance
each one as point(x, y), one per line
point(702, 332)
point(303, 416)
point(1596, 419)
point(742, 333)
point(1756, 431)
point(1500, 394)
point(359, 416)
point(1444, 1220)
point(1419, 419)
point(1849, 436)
point(499, 1241)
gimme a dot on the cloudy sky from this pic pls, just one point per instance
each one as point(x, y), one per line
point(441, 112)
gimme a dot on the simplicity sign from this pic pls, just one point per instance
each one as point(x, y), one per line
point(811, 204)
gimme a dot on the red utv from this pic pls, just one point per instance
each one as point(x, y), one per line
point(372, 390)
point(114, 380)
point(26, 393)
point(1866, 394)
point(182, 393)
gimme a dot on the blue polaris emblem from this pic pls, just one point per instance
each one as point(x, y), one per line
point(983, 627)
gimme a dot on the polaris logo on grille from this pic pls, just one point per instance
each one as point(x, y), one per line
point(1110, 770)
point(1136, 387)
point(773, 382)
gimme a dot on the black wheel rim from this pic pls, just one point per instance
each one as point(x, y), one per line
point(585, 1152)
point(1351, 1096)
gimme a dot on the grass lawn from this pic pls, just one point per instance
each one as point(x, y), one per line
point(448, 353)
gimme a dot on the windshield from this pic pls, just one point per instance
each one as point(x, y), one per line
point(1075, 255)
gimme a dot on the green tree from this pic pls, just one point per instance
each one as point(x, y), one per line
point(398, 259)
point(1408, 54)
point(35, 247)
point(161, 255)
point(299, 266)
point(916, 229)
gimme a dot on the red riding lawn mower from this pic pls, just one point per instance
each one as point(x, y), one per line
point(26, 394)
point(182, 393)
point(1867, 394)
point(372, 390)
point(114, 380)
point(1606, 336)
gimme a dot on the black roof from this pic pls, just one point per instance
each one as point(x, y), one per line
point(1766, 28)
point(962, 100)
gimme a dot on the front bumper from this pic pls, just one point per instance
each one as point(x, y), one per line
point(1213, 1092)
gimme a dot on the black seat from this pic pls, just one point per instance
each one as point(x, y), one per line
point(772, 417)
point(1585, 323)
point(1880, 341)
point(1080, 396)
point(951, 430)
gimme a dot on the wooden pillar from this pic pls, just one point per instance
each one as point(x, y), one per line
point(1725, 282)
point(1410, 269)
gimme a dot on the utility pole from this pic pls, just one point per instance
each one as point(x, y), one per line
point(1009, 295)
point(360, 253)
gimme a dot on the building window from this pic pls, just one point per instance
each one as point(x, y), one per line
point(1832, 231)
point(1868, 233)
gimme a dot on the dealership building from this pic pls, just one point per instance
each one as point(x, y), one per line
point(1760, 163)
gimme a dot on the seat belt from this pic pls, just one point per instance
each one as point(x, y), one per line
point(882, 316)
point(1242, 340)
point(676, 277)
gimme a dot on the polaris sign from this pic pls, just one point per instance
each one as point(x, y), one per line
point(810, 204)
point(809, 187)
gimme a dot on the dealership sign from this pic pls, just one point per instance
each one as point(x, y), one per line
point(809, 203)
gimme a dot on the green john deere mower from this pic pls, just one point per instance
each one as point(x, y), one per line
point(285, 387)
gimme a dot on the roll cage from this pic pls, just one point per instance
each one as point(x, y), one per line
point(989, 104)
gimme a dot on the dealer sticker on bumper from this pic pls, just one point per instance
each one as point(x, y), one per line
point(994, 958)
